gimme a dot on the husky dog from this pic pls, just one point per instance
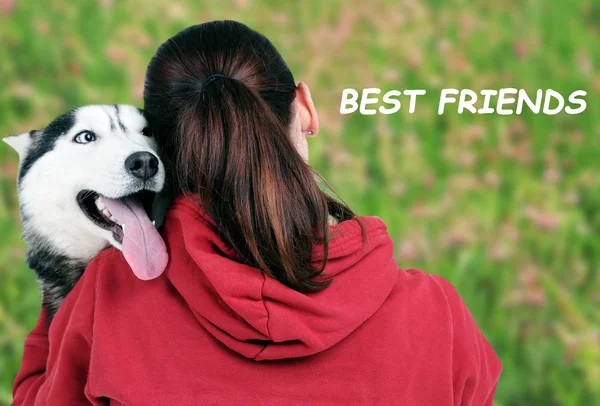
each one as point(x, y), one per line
point(85, 182)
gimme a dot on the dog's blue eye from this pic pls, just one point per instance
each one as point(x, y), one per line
point(85, 137)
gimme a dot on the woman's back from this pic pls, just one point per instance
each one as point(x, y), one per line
point(214, 331)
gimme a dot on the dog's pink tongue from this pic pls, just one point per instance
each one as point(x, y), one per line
point(143, 247)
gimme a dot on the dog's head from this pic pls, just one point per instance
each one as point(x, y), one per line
point(71, 168)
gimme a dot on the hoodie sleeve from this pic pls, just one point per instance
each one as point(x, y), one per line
point(56, 361)
point(35, 355)
point(476, 367)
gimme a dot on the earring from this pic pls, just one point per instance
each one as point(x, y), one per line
point(308, 132)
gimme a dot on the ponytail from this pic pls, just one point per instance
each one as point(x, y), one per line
point(227, 133)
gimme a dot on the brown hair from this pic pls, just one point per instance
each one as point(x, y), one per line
point(218, 97)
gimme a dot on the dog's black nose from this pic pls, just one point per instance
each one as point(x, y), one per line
point(143, 165)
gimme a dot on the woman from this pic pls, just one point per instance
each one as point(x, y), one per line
point(263, 301)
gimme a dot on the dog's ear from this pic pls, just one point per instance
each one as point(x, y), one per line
point(21, 142)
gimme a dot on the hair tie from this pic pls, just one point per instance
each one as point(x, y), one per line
point(212, 77)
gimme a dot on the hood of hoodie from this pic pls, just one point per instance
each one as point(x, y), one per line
point(259, 317)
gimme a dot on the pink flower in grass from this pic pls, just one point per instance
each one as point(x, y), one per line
point(7, 6)
point(544, 220)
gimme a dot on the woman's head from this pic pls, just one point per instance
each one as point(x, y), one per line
point(232, 127)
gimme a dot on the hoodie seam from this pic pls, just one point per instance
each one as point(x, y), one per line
point(262, 297)
point(439, 285)
point(88, 389)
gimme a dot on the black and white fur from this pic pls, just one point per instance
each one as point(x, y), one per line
point(63, 171)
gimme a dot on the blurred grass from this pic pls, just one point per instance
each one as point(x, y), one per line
point(505, 207)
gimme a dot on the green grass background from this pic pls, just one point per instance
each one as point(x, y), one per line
point(505, 207)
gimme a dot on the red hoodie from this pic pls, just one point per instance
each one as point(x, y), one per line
point(213, 331)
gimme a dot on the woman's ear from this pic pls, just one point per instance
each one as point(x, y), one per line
point(309, 120)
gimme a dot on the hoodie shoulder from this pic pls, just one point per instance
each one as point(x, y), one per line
point(432, 297)
point(424, 291)
point(115, 281)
